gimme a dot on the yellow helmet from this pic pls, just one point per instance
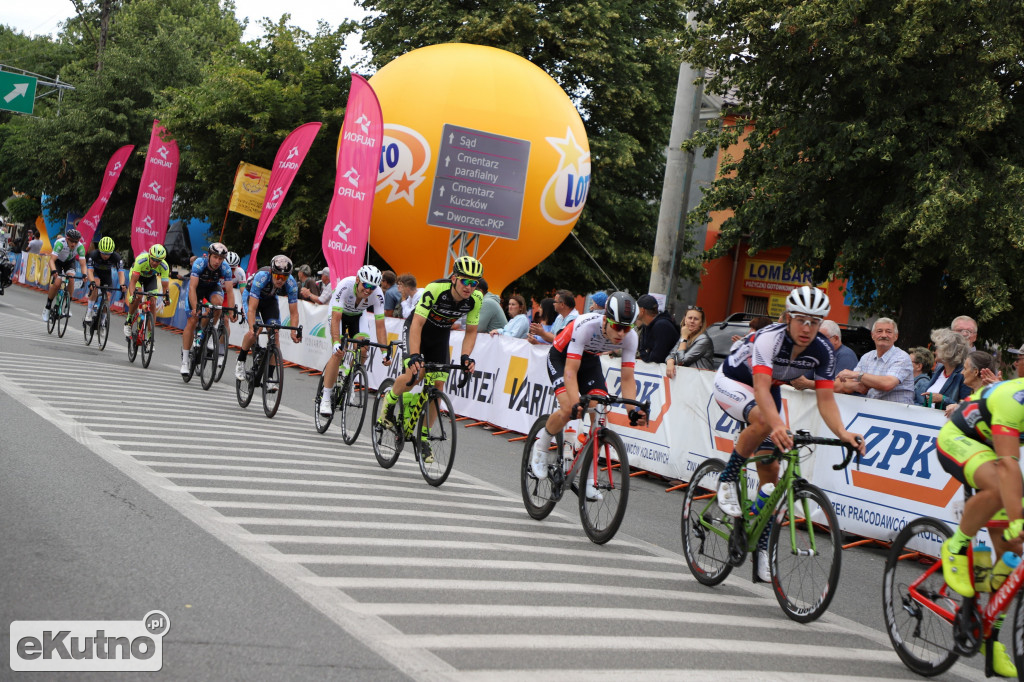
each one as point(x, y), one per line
point(467, 266)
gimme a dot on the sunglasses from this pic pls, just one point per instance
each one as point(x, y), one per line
point(620, 326)
point(808, 321)
point(471, 283)
point(368, 286)
point(695, 307)
point(278, 276)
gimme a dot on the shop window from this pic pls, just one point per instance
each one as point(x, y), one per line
point(755, 305)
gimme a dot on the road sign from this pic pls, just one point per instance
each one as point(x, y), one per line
point(17, 92)
point(479, 182)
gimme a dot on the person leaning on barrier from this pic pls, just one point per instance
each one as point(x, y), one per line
point(658, 331)
point(518, 324)
point(947, 385)
point(885, 373)
point(492, 317)
point(923, 360)
point(696, 349)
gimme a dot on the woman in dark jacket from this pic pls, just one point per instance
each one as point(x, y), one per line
point(947, 385)
point(696, 349)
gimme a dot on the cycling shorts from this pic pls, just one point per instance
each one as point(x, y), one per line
point(433, 346)
point(105, 277)
point(589, 377)
point(63, 266)
point(960, 455)
point(268, 311)
point(350, 325)
point(737, 400)
point(206, 291)
point(147, 282)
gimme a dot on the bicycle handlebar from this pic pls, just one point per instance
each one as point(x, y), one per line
point(366, 342)
point(804, 438)
point(256, 327)
point(610, 400)
point(443, 367)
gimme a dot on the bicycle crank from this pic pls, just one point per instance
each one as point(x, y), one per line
point(737, 544)
point(967, 629)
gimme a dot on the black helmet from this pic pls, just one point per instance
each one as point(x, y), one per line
point(73, 235)
point(621, 308)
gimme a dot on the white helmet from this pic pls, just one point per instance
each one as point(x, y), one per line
point(369, 274)
point(808, 301)
point(232, 259)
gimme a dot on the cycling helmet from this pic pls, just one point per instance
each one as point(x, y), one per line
point(808, 301)
point(369, 274)
point(281, 265)
point(218, 249)
point(232, 259)
point(621, 308)
point(158, 252)
point(73, 235)
point(106, 245)
point(467, 266)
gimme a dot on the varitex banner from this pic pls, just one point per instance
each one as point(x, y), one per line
point(348, 218)
point(290, 156)
point(88, 224)
point(156, 191)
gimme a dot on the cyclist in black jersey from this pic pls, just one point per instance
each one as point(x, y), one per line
point(101, 263)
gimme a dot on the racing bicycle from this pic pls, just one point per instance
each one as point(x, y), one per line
point(264, 367)
point(351, 390)
point(99, 326)
point(804, 543)
point(603, 473)
point(142, 336)
point(205, 354)
point(60, 308)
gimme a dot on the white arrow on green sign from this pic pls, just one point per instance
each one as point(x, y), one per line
point(17, 92)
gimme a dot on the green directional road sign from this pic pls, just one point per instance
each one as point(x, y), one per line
point(17, 92)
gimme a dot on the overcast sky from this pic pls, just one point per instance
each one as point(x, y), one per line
point(40, 17)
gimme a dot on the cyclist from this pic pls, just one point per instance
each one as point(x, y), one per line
point(747, 389)
point(351, 297)
point(150, 271)
point(980, 446)
point(66, 250)
point(425, 333)
point(265, 287)
point(238, 274)
point(213, 281)
point(574, 368)
point(101, 262)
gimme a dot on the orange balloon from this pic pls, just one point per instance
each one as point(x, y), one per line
point(498, 94)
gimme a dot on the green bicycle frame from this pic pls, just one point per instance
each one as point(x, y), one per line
point(412, 403)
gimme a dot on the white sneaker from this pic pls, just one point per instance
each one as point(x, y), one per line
point(763, 570)
point(184, 362)
point(539, 463)
point(88, 315)
point(127, 330)
point(46, 314)
point(593, 494)
point(325, 405)
point(728, 499)
point(271, 386)
point(240, 370)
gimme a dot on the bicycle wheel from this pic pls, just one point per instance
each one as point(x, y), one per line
point(912, 586)
point(538, 494)
point(1018, 631)
point(602, 515)
point(102, 326)
point(88, 329)
point(439, 443)
point(209, 356)
point(51, 319)
point(273, 381)
point(323, 421)
point(387, 435)
point(222, 350)
point(64, 307)
point(244, 388)
point(353, 402)
point(133, 346)
point(706, 528)
point(805, 554)
point(148, 339)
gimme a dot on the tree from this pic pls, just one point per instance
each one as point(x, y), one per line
point(618, 62)
point(885, 149)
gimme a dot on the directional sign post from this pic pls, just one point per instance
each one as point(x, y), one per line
point(479, 182)
point(17, 92)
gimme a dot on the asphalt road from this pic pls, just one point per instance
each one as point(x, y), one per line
point(279, 553)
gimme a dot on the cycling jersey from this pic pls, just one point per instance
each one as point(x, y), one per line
point(997, 409)
point(211, 278)
point(585, 335)
point(239, 276)
point(770, 351)
point(345, 301)
point(441, 310)
point(145, 268)
point(64, 251)
point(95, 261)
point(262, 287)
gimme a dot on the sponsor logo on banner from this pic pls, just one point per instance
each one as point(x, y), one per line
point(525, 396)
point(724, 428)
point(563, 197)
point(405, 156)
point(649, 387)
point(900, 460)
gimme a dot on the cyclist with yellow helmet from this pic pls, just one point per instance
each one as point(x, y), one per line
point(100, 263)
point(151, 273)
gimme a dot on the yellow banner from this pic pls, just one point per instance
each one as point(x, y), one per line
point(250, 189)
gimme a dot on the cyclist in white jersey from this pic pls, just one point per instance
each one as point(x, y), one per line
point(351, 298)
point(66, 250)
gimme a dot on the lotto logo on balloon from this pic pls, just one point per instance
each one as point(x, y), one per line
point(404, 159)
point(564, 195)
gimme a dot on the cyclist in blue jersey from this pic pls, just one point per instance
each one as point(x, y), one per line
point(263, 290)
point(213, 281)
point(747, 388)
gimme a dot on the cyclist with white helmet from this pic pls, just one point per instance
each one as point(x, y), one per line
point(100, 263)
point(574, 368)
point(351, 297)
point(238, 274)
point(747, 389)
point(211, 280)
point(66, 250)
point(150, 270)
point(263, 290)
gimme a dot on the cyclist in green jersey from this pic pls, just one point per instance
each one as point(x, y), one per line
point(150, 270)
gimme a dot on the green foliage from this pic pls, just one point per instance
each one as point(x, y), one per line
point(23, 210)
point(886, 148)
point(618, 61)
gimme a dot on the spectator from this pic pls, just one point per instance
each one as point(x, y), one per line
point(947, 386)
point(324, 289)
point(518, 324)
point(696, 349)
point(968, 328)
point(565, 306)
point(845, 357)
point(1018, 360)
point(883, 374)
point(923, 361)
point(410, 295)
point(309, 288)
point(759, 322)
point(975, 365)
point(658, 332)
point(598, 299)
point(492, 317)
point(35, 244)
point(392, 294)
point(546, 319)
